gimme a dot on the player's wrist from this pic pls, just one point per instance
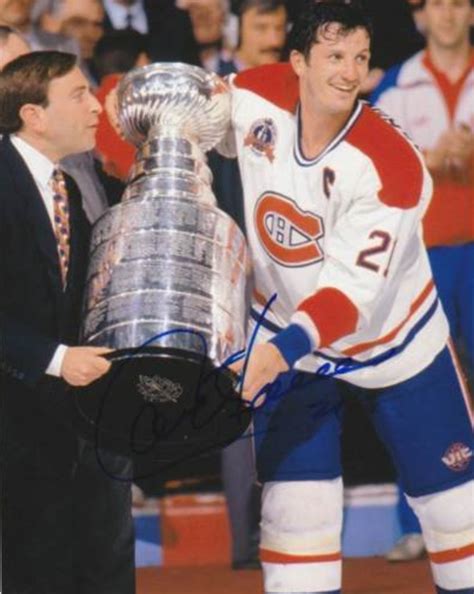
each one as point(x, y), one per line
point(293, 343)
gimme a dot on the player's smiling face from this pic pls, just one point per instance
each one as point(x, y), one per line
point(331, 76)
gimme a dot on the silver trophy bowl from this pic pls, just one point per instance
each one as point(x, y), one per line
point(167, 280)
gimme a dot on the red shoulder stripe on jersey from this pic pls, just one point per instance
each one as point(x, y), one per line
point(414, 307)
point(333, 314)
point(276, 83)
point(397, 163)
point(268, 556)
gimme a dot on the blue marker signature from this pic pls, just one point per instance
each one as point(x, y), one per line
point(159, 427)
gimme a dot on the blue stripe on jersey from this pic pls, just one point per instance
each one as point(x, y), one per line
point(347, 363)
point(464, 591)
point(389, 80)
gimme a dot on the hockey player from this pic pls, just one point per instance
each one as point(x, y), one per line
point(334, 197)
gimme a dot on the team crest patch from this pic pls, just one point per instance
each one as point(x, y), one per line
point(262, 138)
point(457, 457)
point(288, 234)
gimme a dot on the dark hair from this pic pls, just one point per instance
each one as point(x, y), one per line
point(316, 17)
point(262, 6)
point(118, 51)
point(26, 80)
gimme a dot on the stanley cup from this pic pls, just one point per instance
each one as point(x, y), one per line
point(167, 280)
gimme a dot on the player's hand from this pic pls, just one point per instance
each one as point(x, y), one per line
point(264, 365)
point(83, 365)
point(460, 146)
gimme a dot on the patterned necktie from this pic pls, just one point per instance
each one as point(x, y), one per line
point(61, 220)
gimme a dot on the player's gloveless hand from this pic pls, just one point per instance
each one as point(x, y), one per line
point(264, 365)
point(83, 365)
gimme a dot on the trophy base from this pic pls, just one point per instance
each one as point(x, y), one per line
point(161, 406)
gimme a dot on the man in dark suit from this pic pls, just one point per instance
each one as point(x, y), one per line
point(168, 28)
point(67, 526)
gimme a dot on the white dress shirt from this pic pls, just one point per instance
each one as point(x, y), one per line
point(118, 15)
point(41, 168)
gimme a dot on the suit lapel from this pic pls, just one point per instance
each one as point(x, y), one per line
point(38, 219)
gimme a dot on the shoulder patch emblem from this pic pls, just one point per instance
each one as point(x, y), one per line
point(262, 138)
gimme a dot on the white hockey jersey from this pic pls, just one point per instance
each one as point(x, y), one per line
point(337, 238)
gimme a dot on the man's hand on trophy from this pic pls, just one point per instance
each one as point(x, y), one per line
point(263, 366)
point(83, 365)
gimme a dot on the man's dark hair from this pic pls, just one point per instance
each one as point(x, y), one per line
point(262, 6)
point(26, 80)
point(117, 52)
point(317, 16)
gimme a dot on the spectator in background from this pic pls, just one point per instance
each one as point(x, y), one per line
point(262, 33)
point(208, 19)
point(18, 14)
point(115, 54)
point(431, 96)
point(12, 45)
point(127, 14)
point(83, 21)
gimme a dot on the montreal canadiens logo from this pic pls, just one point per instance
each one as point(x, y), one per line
point(457, 457)
point(288, 234)
point(261, 138)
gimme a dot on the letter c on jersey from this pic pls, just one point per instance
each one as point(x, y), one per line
point(288, 234)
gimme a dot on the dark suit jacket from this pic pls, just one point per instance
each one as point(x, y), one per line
point(171, 36)
point(36, 315)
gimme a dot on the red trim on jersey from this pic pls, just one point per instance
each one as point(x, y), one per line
point(277, 83)
point(450, 90)
point(333, 314)
point(452, 554)
point(462, 381)
point(397, 163)
point(359, 348)
point(267, 556)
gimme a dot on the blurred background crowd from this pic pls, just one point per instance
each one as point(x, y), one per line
point(112, 36)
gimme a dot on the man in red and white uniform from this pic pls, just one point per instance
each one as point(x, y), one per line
point(431, 96)
point(334, 197)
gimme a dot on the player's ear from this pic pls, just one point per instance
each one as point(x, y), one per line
point(297, 61)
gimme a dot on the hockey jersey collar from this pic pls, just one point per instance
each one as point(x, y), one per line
point(298, 152)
